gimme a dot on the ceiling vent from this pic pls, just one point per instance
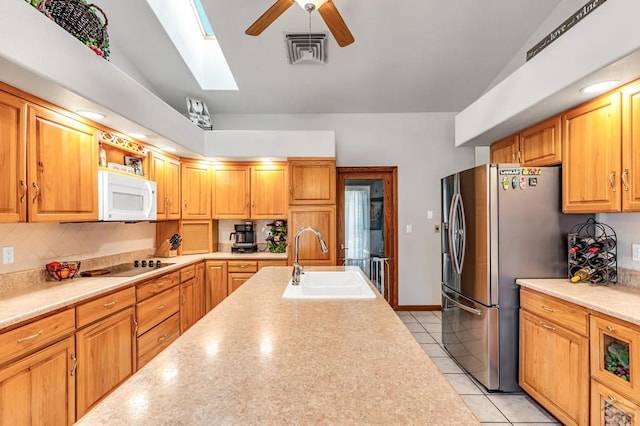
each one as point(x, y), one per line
point(306, 48)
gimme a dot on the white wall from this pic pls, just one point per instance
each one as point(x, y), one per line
point(628, 232)
point(421, 146)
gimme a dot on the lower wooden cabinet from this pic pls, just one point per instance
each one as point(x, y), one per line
point(554, 364)
point(159, 337)
point(239, 272)
point(268, 263)
point(609, 408)
point(106, 352)
point(216, 283)
point(40, 388)
point(192, 298)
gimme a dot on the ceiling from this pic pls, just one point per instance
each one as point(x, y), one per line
point(408, 55)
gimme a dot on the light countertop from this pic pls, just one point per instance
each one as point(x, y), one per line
point(260, 359)
point(19, 306)
point(614, 299)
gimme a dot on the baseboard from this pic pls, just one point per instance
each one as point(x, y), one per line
point(418, 308)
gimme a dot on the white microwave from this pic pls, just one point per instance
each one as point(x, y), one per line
point(125, 198)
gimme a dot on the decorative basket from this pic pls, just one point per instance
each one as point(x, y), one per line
point(86, 22)
point(63, 270)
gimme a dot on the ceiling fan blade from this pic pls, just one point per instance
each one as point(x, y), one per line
point(336, 24)
point(277, 9)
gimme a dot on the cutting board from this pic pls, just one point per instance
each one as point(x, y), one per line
point(95, 272)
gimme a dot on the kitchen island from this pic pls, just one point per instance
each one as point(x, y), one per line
point(260, 359)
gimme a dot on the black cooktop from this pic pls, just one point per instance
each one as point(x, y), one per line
point(130, 269)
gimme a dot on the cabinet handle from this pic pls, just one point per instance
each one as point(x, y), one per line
point(135, 327)
point(161, 307)
point(23, 185)
point(75, 364)
point(612, 183)
point(548, 309)
point(610, 329)
point(183, 299)
point(612, 398)
point(161, 284)
point(110, 304)
point(162, 338)
point(519, 157)
point(185, 204)
point(33, 336)
point(548, 327)
point(625, 184)
point(242, 266)
point(37, 188)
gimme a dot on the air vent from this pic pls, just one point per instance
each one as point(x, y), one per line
point(306, 48)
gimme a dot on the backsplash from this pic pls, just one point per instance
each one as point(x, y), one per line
point(36, 244)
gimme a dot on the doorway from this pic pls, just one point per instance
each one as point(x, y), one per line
point(367, 225)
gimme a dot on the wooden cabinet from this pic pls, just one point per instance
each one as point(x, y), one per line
point(216, 283)
point(591, 155)
point(631, 148)
point(256, 191)
point(157, 339)
point(196, 190)
point(40, 389)
point(609, 408)
point(506, 150)
point(239, 272)
point(156, 309)
point(192, 297)
point(323, 218)
point(312, 181)
point(541, 144)
point(13, 173)
point(165, 171)
point(198, 236)
point(554, 359)
point(106, 352)
point(268, 263)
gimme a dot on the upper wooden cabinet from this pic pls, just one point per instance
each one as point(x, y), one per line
point(312, 181)
point(256, 191)
point(536, 146)
point(323, 218)
point(591, 156)
point(196, 190)
point(165, 171)
point(13, 173)
point(631, 148)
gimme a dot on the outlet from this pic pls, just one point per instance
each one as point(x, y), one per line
point(7, 255)
point(636, 252)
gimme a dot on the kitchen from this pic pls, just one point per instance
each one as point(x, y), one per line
point(406, 130)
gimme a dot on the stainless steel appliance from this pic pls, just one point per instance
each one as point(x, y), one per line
point(245, 238)
point(500, 222)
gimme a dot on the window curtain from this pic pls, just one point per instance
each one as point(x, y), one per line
point(357, 226)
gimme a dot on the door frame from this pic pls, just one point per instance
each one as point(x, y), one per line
point(389, 174)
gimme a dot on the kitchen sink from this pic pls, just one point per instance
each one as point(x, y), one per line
point(330, 285)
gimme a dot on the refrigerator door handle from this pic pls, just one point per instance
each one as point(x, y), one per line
point(462, 232)
point(461, 306)
point(457, 226)
point(452, 248)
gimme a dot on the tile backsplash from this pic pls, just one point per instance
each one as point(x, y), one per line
point(36, 244)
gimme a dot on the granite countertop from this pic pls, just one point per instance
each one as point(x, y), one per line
point(616, 300)
point(39, 299)
point(260, 359)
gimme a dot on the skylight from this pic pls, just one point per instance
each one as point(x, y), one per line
point(202, 54)
point(205, 25)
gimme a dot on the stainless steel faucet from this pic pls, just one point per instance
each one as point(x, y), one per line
point(297, 269)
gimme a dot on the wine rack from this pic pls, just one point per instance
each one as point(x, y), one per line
point(592, 246)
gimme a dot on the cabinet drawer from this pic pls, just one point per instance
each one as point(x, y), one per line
point(187, 273)
point(159, 337)
point(157, 285)
point(267, 263)
point(242, 266)
point(106, 305)
point(563, 313)
point(36, 334)
point(611, 408)
point(156, 309)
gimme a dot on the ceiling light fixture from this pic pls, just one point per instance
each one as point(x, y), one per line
point(138, 135)
point(315, 3)
point(91, 115)
point(600, 86)
point(169, 149)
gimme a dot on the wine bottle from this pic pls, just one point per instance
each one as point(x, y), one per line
point(583, 274)
point(608, 243)
point(579, 245)
point(602, 260)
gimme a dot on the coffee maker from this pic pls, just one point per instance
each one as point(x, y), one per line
point(245, 238)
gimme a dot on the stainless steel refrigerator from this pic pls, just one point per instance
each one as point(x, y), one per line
point(499, 223)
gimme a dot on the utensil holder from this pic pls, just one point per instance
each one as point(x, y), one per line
point(164, 250)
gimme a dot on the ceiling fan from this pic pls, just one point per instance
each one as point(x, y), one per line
point(326, 8)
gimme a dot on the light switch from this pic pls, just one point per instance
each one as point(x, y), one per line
point(429, 214)
point(409, 229)
point(636, 252)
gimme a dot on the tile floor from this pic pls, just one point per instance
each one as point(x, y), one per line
point(489, 408)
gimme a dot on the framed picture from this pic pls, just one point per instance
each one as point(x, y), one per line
point(136, 163)
point(375, 213)
point(199, 113)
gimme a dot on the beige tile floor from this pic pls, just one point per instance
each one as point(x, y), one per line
point(490, 408)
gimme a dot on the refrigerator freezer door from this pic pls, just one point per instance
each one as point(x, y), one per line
point(470, 335)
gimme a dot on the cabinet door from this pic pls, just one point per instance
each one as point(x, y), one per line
point(591, 147)
point(40, 389)
point(609, 408)
point(323, 218)
point(236, 279)
point(187, 301)
point(157, 173)
point(554, 368)
point(505, 150)
point(106, 357)
point(540, 145)
point(216, 283)
point(62, 168)
point(631, 149)
point(269, 191)
point(13, 175)
point(196, 191)
point(231, 192)
point(199, 290)
point(312, 181)
point(172, 188)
